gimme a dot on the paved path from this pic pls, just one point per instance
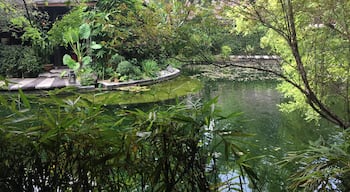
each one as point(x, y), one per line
point(45, 81)
point(40, 83)
point(53, 80)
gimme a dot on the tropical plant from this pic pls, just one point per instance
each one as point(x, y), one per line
point(115, 60)
point(79, 42)
point(150, 68)
point(74, 19)
point(225, 52)
point(87, 77)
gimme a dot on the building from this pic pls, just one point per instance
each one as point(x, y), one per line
point(55, 9)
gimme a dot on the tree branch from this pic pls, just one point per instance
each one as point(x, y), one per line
point(27, 11)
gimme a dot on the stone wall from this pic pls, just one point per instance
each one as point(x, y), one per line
point(234, 68)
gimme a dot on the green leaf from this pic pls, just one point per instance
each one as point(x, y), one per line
point(94, 45)
point(84, 31)
point(24, 99)
point(71, 63)
point(86, 60)
point(71, 36)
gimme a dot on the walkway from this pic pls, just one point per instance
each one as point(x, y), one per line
point(53, 79)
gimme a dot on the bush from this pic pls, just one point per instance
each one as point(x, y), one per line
point(150, 68)
point(225, 51)
point(88, 77)
point(115, 60)
point(17, 61)
point(128, 71)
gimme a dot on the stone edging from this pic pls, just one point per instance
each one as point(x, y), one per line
point(258, 57)
point(52, 82)
point(167, 74)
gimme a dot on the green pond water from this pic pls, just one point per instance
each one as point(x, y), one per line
point(141, 96)
point(275, 133)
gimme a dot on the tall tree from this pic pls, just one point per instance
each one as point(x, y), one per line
point(313, 40)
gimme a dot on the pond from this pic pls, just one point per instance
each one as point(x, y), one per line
point(276, 133)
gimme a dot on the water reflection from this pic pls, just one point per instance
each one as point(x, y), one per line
point(276, 132)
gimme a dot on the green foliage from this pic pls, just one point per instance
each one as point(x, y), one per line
point(129, 29)
point(17, 61)
point(322, 47)
point(73, 19)
point(128, 71)
point(79, 41)
point(115, 60)
point(150, 68)
point(322, 167)
point(34, 30)
point(194, 39)
point(226, 51)
point(71, 63)
point(173, 62)
point(76, 144)
point(314, 47)
point(107, 5)
point(9, 10)
point(87, 77)
point(160, 30)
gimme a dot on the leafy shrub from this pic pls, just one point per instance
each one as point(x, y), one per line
point(78, 145)
point(150, 68)
point(226, 51)
point(125, 68)
point(173, 62)
point(71, 20)
point(241, 44)
point(87, 77)
point(115, 60)
point(128, 71)
point(17, 60)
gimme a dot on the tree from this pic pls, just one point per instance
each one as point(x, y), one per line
point(9, 10)
point(313, 41)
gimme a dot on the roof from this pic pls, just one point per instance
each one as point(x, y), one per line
point(59, 3)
